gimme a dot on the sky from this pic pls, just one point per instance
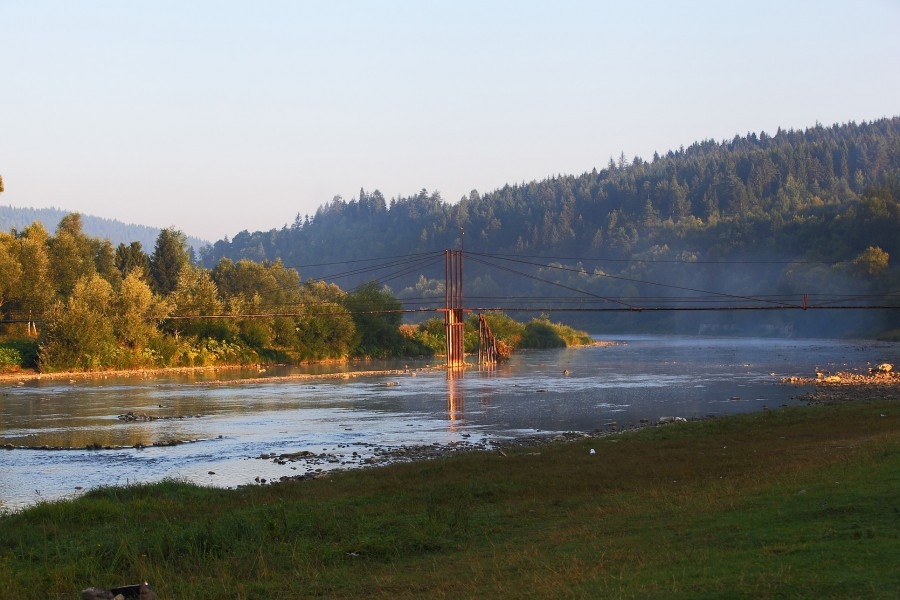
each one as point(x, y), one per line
point(221, 116)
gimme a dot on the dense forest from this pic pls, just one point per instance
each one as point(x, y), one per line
point(757, 222)
point(799, 212)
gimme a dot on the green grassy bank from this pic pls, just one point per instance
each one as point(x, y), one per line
point(792, 503)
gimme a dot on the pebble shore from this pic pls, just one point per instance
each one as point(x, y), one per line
point(846, 386)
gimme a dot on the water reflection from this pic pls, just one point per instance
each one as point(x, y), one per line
point(350, 420)
point(456, 401)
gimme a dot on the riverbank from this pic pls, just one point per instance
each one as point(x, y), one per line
point(30, 375)
point(847, 386)
point(778, 503)
point(23, 375)
point(33, 375)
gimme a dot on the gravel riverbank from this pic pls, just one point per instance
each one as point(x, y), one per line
point(846, 386)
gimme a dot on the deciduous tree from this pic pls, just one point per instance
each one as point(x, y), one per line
point(79, 331)
point(10, 269)
point(377, 316)
point(35, 289)
point(138, 312)
point(871, 262)
point(195, 296)
point(71, 254)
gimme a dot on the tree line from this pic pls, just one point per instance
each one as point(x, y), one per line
point(715, 198)
point(821, 206)
point(799, 212)
point(88, 306)
point(93, 306)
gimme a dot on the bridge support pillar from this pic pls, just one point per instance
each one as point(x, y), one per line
point(454, 319)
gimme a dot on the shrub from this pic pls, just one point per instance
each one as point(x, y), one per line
point(10, 358)
point(540, 333)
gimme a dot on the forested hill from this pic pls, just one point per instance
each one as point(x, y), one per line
point(827, 198)
point(116, 232)
point(785, 195)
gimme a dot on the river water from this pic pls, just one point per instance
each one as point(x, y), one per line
point(227, 433)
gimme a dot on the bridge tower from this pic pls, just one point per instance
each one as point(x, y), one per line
point(454, 319)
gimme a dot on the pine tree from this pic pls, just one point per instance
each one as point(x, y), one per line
point(170, 256)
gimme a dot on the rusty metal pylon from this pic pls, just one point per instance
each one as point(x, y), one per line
point(454, 319)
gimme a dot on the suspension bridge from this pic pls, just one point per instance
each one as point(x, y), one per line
point(575, 286)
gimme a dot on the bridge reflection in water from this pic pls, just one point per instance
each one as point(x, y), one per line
point(456, 400)
point(456, 395)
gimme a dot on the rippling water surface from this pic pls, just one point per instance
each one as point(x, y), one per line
point(221, 429)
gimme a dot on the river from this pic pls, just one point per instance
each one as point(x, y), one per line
point(211, 429)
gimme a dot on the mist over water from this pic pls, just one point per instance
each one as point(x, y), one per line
point(225, 427)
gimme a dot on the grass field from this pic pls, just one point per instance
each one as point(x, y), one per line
point(789, 503)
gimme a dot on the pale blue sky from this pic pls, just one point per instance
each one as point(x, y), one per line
point(221, 116)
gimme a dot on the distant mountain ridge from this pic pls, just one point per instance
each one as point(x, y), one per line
point(116, 232)
point(796, 220)
point(785, 194)
point(813, 212)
